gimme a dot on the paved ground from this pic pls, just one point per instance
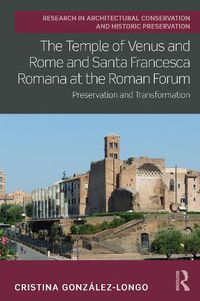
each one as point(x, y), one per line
point(29, 254)
point(126, 256)
point(131, 256)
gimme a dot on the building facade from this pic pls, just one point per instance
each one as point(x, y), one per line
point(112, 184)
point(2, 184)
point(183, 188)
point(140, 184)
point(66, 198)
point(18, 197)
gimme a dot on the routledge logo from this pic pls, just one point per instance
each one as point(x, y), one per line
point(182, 278)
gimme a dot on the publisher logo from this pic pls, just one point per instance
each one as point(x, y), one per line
point(182, 277)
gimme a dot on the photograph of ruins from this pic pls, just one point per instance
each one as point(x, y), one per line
point(115, 210)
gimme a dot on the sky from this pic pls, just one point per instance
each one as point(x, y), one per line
point(36, 149)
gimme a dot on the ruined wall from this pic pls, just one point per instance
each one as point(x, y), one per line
point(83, 194)
point(102, 181)
point(151, 193)
point(97, 189)
point(123, 200)
point(143, 176)
point(159, 163)
point(130, 240)
point(169, 199)
point(146, 177)
point(127, 177)
point(96, 220)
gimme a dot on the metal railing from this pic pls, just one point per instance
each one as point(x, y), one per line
point(42, 245)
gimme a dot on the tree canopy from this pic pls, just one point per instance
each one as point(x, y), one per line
point(56, 232)
point(168, 242)
point(11, 214)
point(192, 242)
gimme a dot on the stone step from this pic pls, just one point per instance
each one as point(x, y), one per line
point(118, 230)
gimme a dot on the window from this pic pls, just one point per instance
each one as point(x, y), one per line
point(116, 145)
point(111, 155)
point(171, 185)
point(182, 200)
point(194, 186)
point(179, 185)
point(194, 179)
point(111, 144)
point(194, 199)
point(115, 156)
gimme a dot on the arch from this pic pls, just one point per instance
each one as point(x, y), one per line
point(144, 240)
point(149, 170)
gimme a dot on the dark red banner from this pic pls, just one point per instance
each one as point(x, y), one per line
point(99, 280)
point(107, 22)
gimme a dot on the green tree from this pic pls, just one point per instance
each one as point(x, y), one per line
point(11, 214)
point(192, 242)
point(29, 209)
point(168, 242)
point(56, 232)
point(15, 214)
point(4, 213)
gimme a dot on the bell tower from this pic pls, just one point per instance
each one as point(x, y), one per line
point(112, 146)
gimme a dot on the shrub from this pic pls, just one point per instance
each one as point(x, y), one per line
point(92, 229)
point(117, 222)
point(83, 229)
point(128, 216)
point(105, 226)
point(5, 251)
point(192, 242)
point(168, 242)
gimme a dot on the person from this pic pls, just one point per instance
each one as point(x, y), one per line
point(22, 250)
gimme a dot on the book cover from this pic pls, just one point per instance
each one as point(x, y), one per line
point(99, 152)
